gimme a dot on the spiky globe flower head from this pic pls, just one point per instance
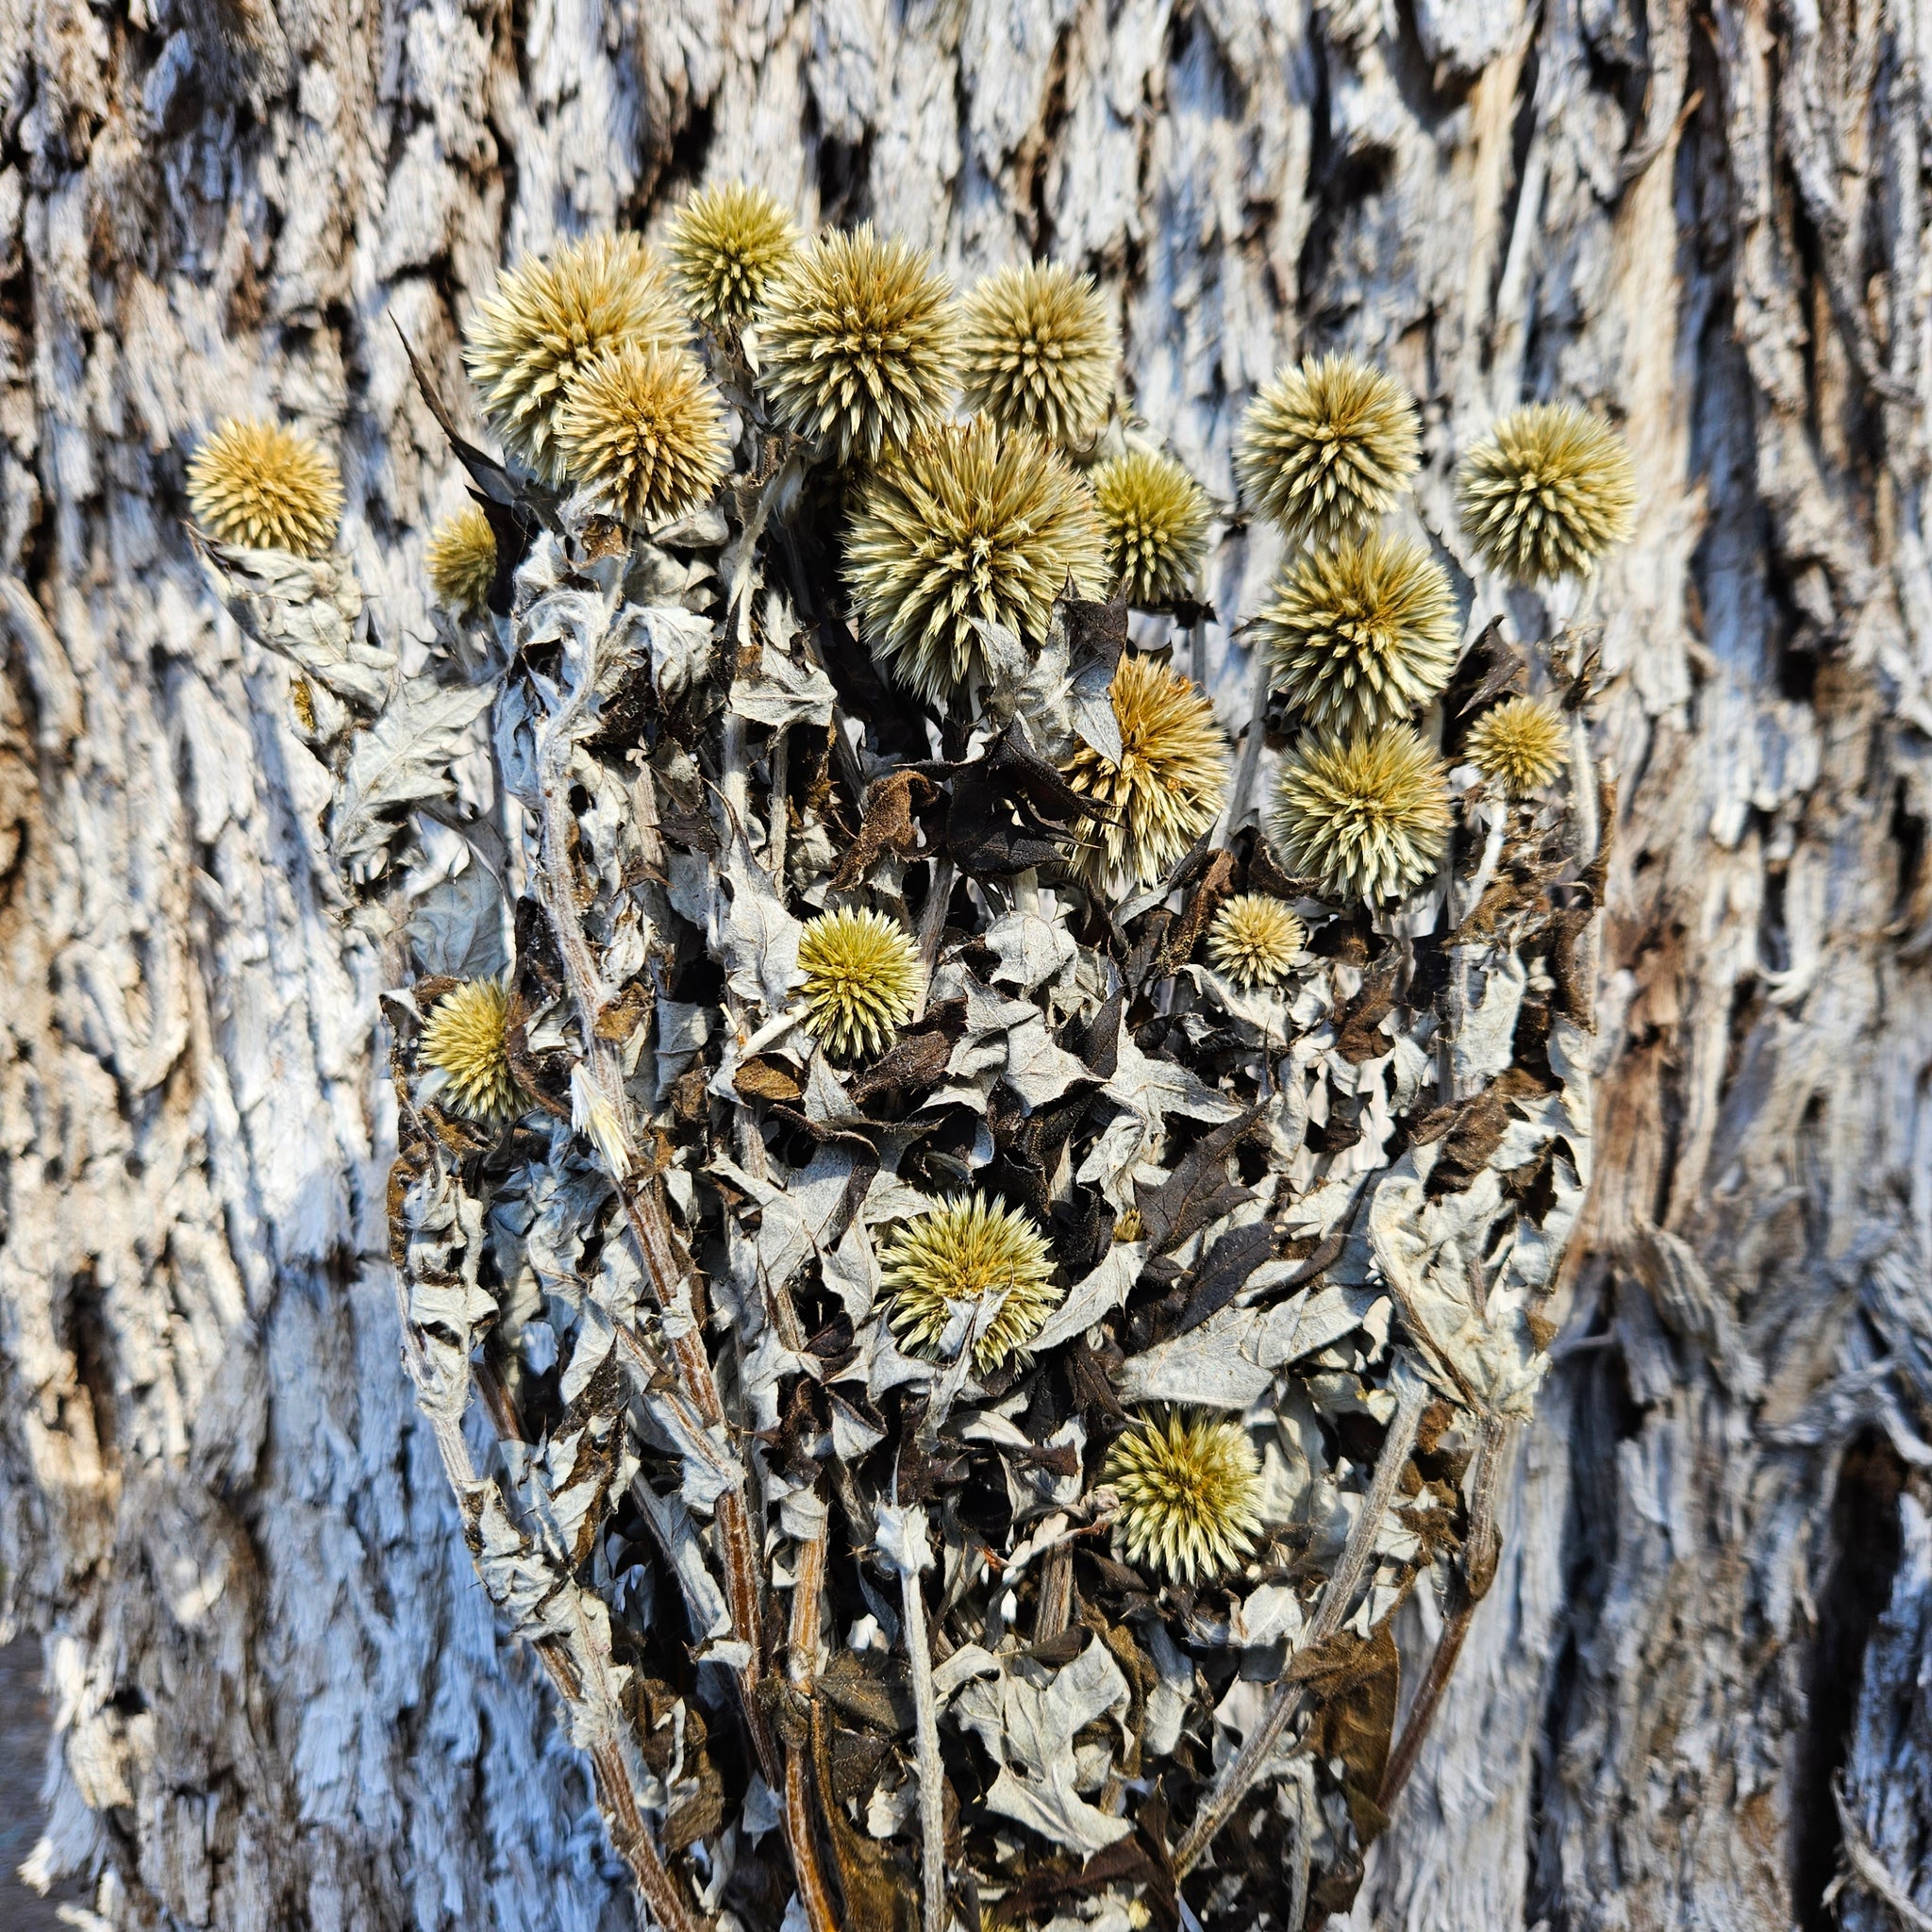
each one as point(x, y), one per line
point(463, 559)
point(1253, 937)
point(1326, 447)
point(549, 317)
point(862, 979)
point(643, 427)
point(1521, 743)
point(1189, 1489)
point(856, 342)
point(1546, 492)
point(1037, 352)
point(1153, 521)
point(1361, 634)
point(262, 487)
point(1365, 815)
point(726, 244)
point(947, 1265)
point(971, 523)
point(464, 1044)
point(1168, 787)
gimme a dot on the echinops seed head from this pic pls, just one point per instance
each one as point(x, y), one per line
point(643, 427)
point(261, 487)
point(862, 979)
point(548, 318)
point(461, 559)
point(726, 244)
point(1153, 522)
point(1326, 447)
point(1547, 493)
point(1254, 937)
point(1168, 787)
point(858, 343)
point(945, 1267)
point(1361, 634)
point(465, 1043)
point(972, 522)
point(1365, 815)
point(1521, 743)
point(1189, 1489)
point(1037, 352)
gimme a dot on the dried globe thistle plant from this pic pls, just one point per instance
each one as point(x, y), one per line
point(1547, 493)
point(1153, 521)
point(548, 318)
point(943, 1267)
point(970, 524)
point(1189, 1489)
point(262, 487)
point(1168, 787)
point(461, 559)
point(1521, 743)
point(1365, 815)
point(642, 426)
point(1037, 352)
point(1253, 937)
point(464, 1045)
point(726, 244)
point(856, 342)
point(1326, 447)
point(862, 979)
point(1362, 634)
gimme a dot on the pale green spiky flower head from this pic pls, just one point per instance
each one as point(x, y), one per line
point(857, 344)
point(726, 244)
point(550, 317)
point(1153, 522)
point(1037, 352)
point(462, 560)
point(465, 1045)
point(1362, 634)
point(1168, 787)
point(947, 1265)
point(261, 487)
point(970, 525)
point(1546, 492)
point(1521, 743)
point(1254, 937)
point(1366, 816)
point(1189, 1489)
point(1326, 447)
point(642, 426)
point(862, 979)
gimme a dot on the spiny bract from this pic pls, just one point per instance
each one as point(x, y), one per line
point(1362, 634)
point(1521, 743)
point(1153, 521)
point(862, 979)
point(971, 523)
point(1168, 787)
point(726, 244)
point(262, 487)
point(643, 427)
point(1366, 815)
point(1326, 447)
point(856, 342)
point(465, 1044)
point(1189, 1489)
point(463, 559)
point(1037, 352)
point(944, 1266)
point(549, 317)
point(1547, 493)
point(1254, 937)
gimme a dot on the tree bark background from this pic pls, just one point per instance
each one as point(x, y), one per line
point(280, 1697)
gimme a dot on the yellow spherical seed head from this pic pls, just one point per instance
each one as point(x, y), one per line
point(1153, 522)
point(862, 980)
point(643, 427)
point(1521, 743)
point(952, 1261)
point(1366, 816)
point(1254, 939)
point(725, 245)
point(261, 487)
point(1547, 493)
point(463, 559)
point(1189, 1489)
point(1168, 787)
point(464, 1041)
point(1037, 352)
